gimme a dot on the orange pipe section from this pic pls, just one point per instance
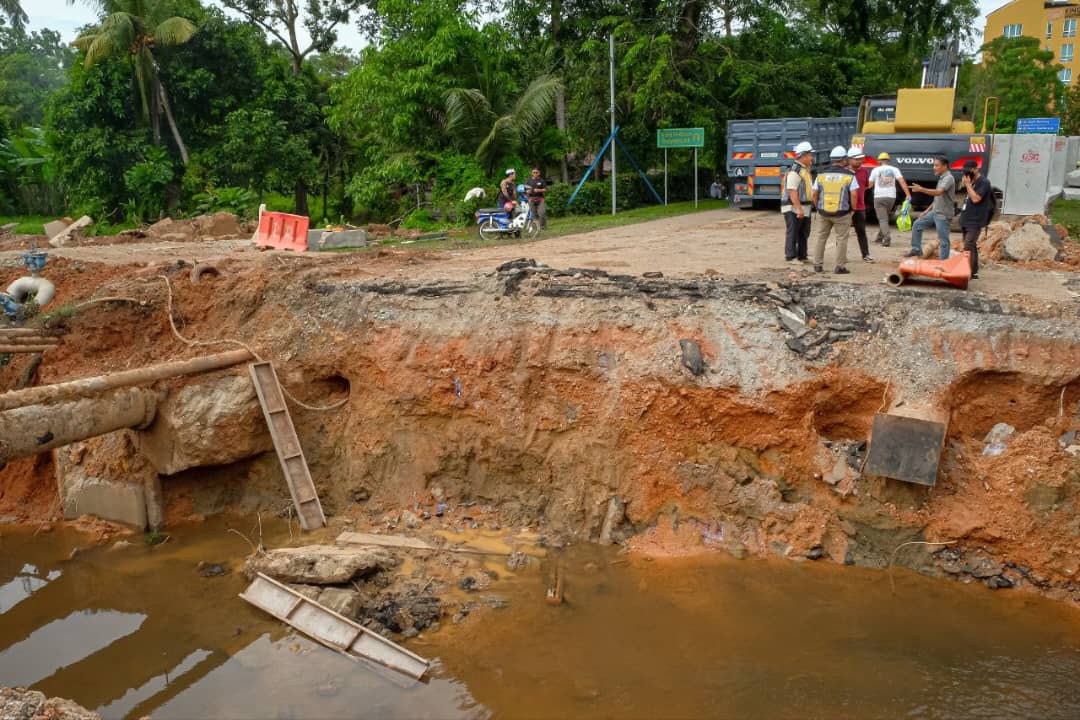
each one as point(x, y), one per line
point(956, 270)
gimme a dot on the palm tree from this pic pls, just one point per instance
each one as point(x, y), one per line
point(14, 12)
point(134, 28)
point(472, 119)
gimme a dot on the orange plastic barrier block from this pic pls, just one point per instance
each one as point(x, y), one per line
point(956, 270)
point(283, 231)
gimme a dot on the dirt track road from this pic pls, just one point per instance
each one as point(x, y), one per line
point(729, 243)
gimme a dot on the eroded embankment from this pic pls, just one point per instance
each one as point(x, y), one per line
point(565, 401)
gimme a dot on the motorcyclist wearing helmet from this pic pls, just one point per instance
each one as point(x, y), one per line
point(507, 198)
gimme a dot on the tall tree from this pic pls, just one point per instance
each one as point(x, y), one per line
point(1023, 76)
point(282, 19)
point(134, 28)
point(14, 12)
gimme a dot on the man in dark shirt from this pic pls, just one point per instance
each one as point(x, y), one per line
point(855, 157)
point(535, 188)
point(975, 215)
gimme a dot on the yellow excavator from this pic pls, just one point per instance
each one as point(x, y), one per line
point(918, 124)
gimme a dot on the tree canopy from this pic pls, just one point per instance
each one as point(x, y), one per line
point(260, 101)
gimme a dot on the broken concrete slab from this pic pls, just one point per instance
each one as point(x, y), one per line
point(54, 228)
point(192, 421)
point(792, 322)
point(319, 564)
point(343, 239)
point(905, 448)
point(61, 238)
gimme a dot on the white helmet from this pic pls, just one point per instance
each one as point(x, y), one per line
point(805, 147)
point(837, 153)
point(855, 152)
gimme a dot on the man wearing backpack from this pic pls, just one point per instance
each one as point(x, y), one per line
point(796, 204)
point(977, 211)
point(834, 196)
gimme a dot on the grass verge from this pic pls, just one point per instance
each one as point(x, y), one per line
point(1067, 213)
point(466, 238)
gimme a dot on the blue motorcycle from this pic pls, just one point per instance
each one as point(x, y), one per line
point(493, 222)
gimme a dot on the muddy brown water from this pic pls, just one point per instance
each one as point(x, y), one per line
point(137, 631)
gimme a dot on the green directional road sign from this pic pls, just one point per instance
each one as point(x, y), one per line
point(680, 138)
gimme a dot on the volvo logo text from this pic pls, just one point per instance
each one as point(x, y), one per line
point(909, 160)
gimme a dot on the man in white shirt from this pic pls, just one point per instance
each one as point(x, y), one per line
point(883, 179)
point(796, 205)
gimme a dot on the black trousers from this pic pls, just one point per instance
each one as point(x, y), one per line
point(797, 236)
point(858, 221)
point(971, 244)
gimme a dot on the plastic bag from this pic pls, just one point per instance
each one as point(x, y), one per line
point(903, 222)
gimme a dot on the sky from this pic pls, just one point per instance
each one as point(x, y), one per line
point(59, 15)
point(67, 18)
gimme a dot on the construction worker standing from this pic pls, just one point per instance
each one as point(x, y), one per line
point(858, 211)
point(834, 196)
point(796, 205)
point(884, 178)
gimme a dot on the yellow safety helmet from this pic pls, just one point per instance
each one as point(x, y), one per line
point(883, 156)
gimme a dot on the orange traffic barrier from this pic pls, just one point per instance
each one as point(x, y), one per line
point(956, 270)
point(282, 231)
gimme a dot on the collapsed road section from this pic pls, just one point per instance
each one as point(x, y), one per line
point(670, 415)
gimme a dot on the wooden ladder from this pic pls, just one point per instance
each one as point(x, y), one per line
point(287, 444)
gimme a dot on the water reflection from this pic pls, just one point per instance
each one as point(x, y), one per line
point(63, 642)
point(23, 585)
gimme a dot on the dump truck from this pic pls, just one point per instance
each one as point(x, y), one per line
point(918, 124)
point(758, 152)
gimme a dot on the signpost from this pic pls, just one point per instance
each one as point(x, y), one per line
point(680, 138)
point(1029, 126)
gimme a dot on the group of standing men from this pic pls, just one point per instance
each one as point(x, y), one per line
point(838, 196)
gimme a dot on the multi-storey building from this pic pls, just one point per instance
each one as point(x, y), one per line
point(1053, 22)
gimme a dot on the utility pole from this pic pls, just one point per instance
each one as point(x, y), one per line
point(611, 64)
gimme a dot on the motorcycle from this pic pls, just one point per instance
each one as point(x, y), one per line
point(493, 222)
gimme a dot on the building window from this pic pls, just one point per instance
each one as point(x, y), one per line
point(1066, 53)
point(1069, 29)
point(1065, 76)
point(1049, 30)
point(1016, 30)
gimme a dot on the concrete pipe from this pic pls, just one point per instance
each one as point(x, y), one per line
point(39, 288)
point(34, 429)
point(895, 279)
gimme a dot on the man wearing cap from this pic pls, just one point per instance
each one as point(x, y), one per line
point(884, 179)
point(507, 198)
point(834, 196)
point(858, 212)
point(975, 215)
point(796, 205)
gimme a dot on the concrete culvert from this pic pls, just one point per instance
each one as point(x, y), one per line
point(200, 269)
point(42, 290)
point(895, 279)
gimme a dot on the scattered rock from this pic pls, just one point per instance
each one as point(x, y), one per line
point(343, 601)
point(691, 356)
point(518, 561)
point(22, 704)
point(816, 553)
point(1029, 242)
point(208, 570)
point(653, 275)
point(997, 439)
point(410, 519)
point(998, 582)
point(319, 564)
point(467, 583)
point(61, 238)
point(792, 322)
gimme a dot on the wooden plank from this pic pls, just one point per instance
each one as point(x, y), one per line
point(287, 444)
point(330, 629)
point(408, 543)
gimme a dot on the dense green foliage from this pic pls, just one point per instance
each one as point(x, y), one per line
point(171, 106)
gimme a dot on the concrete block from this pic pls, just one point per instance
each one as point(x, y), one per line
point(116, 501)
point(999, 162)
point(313, 238)
point(64, 235)
point(344, 239)
point(54, 228)
point(1030, 162)
point(1071, 193)
point(1057, 166)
